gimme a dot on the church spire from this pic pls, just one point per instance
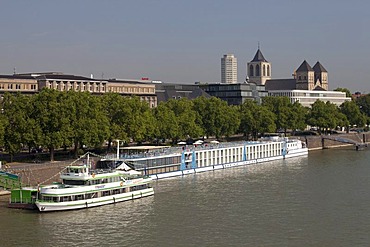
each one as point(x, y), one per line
point(259, 57)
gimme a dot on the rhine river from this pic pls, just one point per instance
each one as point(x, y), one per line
point(319, 200)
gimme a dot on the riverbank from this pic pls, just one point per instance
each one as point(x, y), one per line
point(48, 172)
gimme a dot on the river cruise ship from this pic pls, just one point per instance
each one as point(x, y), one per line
point(83, 187)
point(163, 162)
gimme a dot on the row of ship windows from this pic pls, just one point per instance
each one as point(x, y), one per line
point(92, 182)
point(94, 194)
point(218, 160)
point(233, 151)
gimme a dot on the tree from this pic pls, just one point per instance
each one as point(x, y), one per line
point(325, 116)
point(18, 125)
point(139, 121)
point(255, 119)
point(89, 123)
point(363, 103)
point(297, 117)
point(115, 113)
point(3, 126)
point(282, 108)
point(52, 118)
point(344, 90)
point(355, 117)
point(186, 118)
point(167, 122)
point(217, 118)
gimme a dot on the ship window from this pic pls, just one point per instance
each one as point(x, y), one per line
point(46, 198)
point(105, 193)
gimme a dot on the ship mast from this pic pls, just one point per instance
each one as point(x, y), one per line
point(117, 149)
point(88, 163)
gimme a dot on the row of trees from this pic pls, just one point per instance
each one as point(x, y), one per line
point(54, 119)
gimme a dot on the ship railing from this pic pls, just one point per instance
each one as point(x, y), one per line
point(23, 200)
point(189, 148)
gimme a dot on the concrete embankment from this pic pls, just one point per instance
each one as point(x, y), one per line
point(323, 142)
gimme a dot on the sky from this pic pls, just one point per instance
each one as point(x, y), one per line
point(183, 41)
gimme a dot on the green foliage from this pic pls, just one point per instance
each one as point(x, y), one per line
point(325, 116)
point(114, 111)
point(297, 117)
point(54, 119)
point(139, 122)
point(355, 117)
point(282, 108)
point(167, 122)
point(256, 119)
point(216, 117)
point(186, 118)
point(363, 103)
point(344, 90)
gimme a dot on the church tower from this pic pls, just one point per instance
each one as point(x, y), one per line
point(305, 77)
point(321, 76)
point(259, 69)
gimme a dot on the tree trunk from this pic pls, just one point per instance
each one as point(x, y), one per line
point(51, 153)
point(75, 149)
point(109, 144)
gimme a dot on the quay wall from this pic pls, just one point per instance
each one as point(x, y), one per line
point(317, 142)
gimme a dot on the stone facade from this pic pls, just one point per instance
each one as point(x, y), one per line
point(259, 69)
point(34, 82)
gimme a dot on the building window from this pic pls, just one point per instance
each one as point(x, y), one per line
point(264, 70)
point(251, 70)
point(268, 70)
point(258, 70)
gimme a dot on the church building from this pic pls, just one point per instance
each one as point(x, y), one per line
point(307, 85)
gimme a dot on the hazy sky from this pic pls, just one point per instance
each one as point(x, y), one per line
point(183, 41)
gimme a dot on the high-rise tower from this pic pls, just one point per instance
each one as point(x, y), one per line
point(259, 69)
point(229, 69)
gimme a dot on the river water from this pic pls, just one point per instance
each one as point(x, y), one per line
point(319, 200)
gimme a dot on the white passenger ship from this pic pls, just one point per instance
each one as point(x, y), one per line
point(163, 162)
point(82, 187)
